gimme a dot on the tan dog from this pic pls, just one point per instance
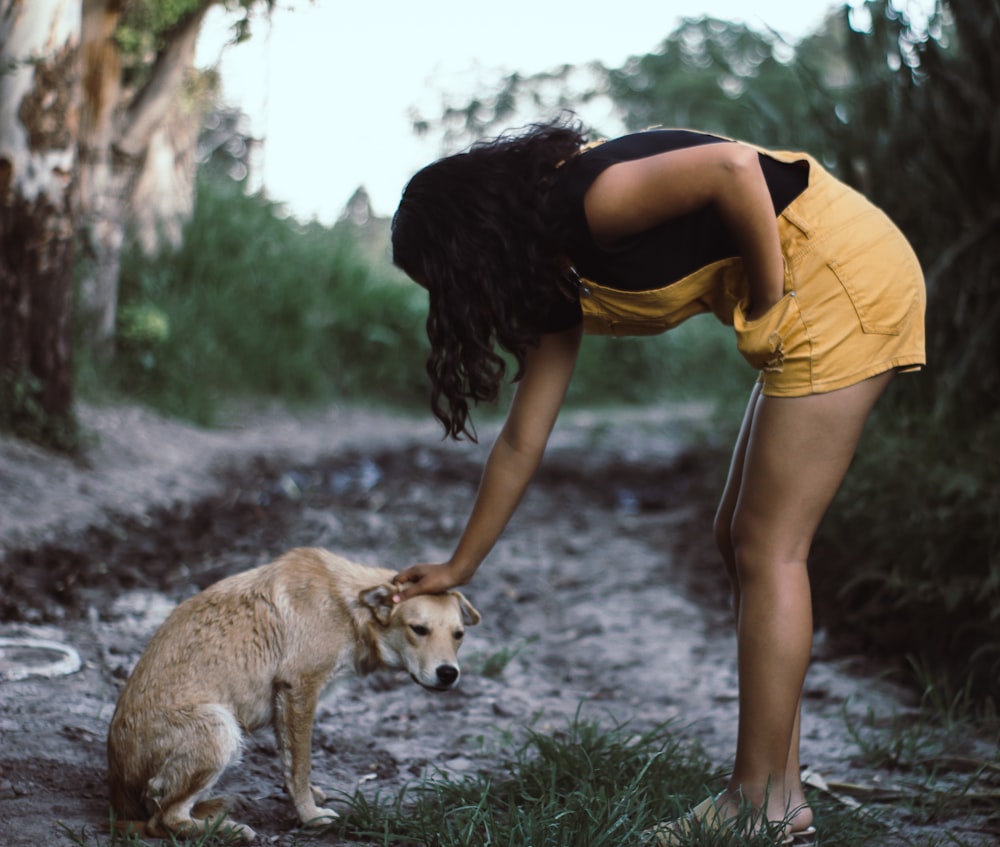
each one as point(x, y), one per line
point(255, 648)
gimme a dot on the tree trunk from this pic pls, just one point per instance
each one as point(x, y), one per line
point(162, 200)
point(102, 181)
point(39, 95)
point(114, 142)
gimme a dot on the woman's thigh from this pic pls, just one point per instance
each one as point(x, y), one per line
point(798, 450)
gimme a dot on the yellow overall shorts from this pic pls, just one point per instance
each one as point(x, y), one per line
point(853, 305)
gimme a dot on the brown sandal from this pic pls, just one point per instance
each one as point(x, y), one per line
point(703, 817)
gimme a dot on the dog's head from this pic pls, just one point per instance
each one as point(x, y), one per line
point(421, 635)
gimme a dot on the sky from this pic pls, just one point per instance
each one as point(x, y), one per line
point(329, 85)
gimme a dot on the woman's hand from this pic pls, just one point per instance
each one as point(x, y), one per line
point(428, 579)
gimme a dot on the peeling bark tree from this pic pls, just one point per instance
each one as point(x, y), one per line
point(116, 130)
point(39, 88)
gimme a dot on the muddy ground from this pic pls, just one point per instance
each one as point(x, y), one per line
point(603, 597)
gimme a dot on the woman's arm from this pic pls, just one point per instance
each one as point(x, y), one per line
point(512, 462)
point(631, 197)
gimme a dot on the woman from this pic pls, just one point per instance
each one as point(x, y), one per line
point(529, 241)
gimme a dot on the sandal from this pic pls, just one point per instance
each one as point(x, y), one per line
point(703, 817)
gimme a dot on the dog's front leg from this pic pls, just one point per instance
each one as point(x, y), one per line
point(294, 710)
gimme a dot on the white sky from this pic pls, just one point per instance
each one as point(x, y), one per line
point(328, 84)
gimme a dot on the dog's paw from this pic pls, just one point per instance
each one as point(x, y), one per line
point(240, 830)
point(319, 795)
point(318, 817)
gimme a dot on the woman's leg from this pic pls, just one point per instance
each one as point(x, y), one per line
point(790, 459)
point(727, 504)
point(802, 815)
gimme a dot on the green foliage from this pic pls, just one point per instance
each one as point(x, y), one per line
point(255, 305)
point(697, 360)
point(581, 786)
point(591, 786)
point(910, 553)
point(718, 77)
point(938, 730)
point(146, 25)
point(916, 529)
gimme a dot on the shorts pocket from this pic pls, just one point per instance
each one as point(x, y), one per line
point(766, 341)
point(880, 279)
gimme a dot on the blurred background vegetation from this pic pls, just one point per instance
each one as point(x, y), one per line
point(251, 305)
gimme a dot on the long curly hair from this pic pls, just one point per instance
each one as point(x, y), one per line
point(475, 230)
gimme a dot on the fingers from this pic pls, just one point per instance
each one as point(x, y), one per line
point(424, 579)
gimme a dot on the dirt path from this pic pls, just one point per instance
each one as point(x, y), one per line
point(603, 597)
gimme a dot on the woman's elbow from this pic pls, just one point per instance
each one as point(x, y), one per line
point(741, 161)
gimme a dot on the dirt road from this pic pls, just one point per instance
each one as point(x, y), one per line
point(603, 597)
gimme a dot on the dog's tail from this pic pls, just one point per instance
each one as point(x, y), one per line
point(126, 800)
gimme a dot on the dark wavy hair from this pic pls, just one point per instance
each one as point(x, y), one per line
point(476, 231)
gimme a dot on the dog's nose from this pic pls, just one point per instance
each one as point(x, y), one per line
point(447, 674)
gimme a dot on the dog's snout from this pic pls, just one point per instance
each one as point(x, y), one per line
point(447, 674)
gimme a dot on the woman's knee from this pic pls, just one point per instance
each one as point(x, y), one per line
point(759, 553)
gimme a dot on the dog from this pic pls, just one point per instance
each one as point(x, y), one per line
point(260, 647)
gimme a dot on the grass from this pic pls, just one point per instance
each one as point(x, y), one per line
point(258, 306)
point(592, 786)
point(908, 558)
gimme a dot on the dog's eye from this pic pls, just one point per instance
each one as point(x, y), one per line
point(419, 629)
point(458, 634)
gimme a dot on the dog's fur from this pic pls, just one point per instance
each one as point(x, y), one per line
point(255, 648)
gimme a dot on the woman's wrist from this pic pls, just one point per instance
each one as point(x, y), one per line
point(463, 570)
point(759, 305)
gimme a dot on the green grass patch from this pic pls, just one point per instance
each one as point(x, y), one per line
point(592, 786)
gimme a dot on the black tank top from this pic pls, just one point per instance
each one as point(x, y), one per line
point(667, 252)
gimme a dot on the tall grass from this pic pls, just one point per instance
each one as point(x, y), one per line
point(255, 305)
point(916, 529)
point(911, 549)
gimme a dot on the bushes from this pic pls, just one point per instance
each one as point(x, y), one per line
point(911, 550)
point(916, 529)
point(255, 305)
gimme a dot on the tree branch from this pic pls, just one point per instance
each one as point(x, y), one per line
point(152, 103)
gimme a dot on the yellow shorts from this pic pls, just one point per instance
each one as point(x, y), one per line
point(854, 301)
point(853, 306)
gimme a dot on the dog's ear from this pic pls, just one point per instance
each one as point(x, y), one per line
point(470, 617)
point(379, 601)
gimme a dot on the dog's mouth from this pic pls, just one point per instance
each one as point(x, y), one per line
point(432, 686)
